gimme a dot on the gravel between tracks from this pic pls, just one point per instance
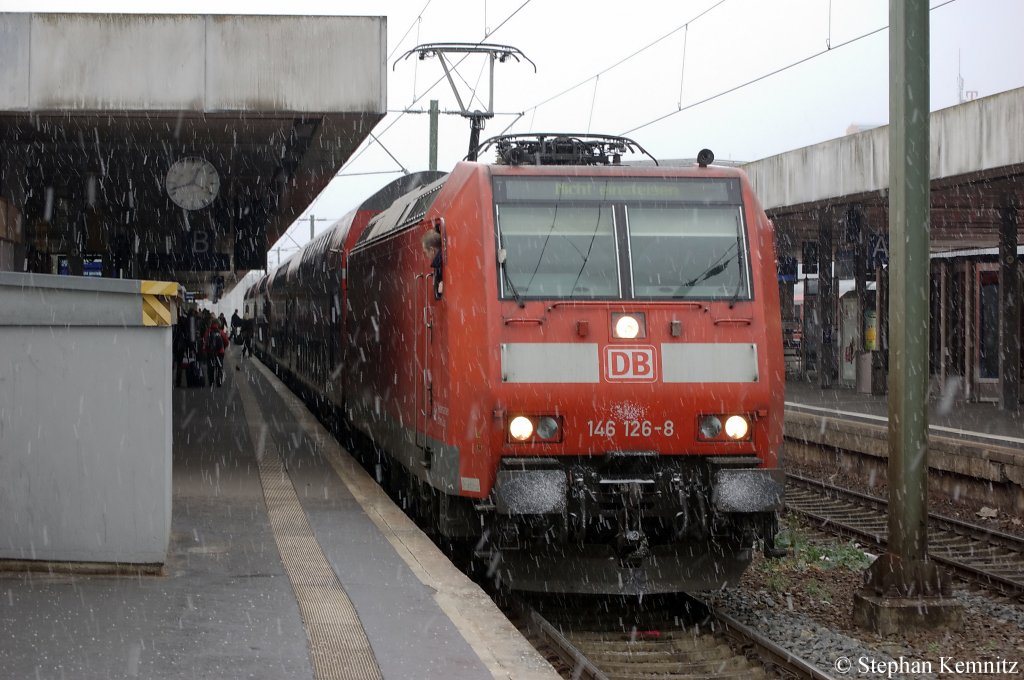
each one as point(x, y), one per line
point(804, 602)
point(808, 608)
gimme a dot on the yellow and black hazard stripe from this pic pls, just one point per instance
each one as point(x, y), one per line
point(156, 307)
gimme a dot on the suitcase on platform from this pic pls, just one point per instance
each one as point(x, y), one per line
point(194, 374)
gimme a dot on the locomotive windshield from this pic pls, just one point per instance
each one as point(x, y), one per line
point(600, 238)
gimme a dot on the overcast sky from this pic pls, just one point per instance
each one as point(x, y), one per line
point(745, 78)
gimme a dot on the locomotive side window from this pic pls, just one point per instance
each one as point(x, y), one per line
point(681, 252)
point(559, 250)
point(608, 238)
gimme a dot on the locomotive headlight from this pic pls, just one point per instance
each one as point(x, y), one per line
point(547, 427)
point(710, 427)
point(737, 427)
point(521, 428)
point(629, 326)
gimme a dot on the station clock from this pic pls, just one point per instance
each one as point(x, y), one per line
point(192, 183)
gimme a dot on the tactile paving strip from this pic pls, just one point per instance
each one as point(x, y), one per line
point(337, 642)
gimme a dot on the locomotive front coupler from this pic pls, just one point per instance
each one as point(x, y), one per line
point(632, 547)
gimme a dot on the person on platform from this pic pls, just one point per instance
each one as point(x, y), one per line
point(180, 345)
point(216, 343)
point(236, 323)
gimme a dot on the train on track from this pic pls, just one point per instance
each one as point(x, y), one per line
point(585, 382)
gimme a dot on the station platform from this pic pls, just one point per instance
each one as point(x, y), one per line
point(975, 450)
point(980, 422)
point(286, 561)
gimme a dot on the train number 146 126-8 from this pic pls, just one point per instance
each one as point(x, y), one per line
point(629, 428)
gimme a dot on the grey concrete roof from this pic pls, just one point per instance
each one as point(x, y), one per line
point(979, 135)
point(94, 108)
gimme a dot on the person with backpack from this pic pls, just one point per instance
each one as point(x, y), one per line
point(216, 343)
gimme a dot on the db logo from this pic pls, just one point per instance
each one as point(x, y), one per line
point(630, 364)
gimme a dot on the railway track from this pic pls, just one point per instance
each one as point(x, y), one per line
point(672, 639)
point(990, 558)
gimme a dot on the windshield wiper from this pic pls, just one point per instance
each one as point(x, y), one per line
point(712, 270)
point(736, 295)
point(739, 279)
point(502, 256)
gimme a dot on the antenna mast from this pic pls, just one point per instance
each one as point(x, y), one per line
point(499, 53)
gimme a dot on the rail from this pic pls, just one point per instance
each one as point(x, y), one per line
point(604, 644)
point(991, 558)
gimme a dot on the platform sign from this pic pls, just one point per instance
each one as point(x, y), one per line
point(787, 269)
point(878, 250)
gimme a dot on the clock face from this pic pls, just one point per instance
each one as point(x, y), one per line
point(192, 183)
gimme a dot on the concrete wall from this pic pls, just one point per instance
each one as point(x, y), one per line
point(85, 423)
point(959, 470)
point(133, 62)
point(979, 135)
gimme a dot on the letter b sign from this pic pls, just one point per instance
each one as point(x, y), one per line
point(630, 364)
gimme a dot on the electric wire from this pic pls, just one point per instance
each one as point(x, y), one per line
point(752, 81)
point(770, 74)
point(417, 20)
point(386, 150)
point(682, 69)
point(364, 146)
point(593, 101)
point(625, 59)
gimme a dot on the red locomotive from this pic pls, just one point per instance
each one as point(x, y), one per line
point(587, 381)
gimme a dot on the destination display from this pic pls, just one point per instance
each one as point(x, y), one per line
point(605, 190)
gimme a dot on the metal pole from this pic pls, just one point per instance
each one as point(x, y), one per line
point(312, 230)
point(434, 111)
point(904, 589)
point(908, 299)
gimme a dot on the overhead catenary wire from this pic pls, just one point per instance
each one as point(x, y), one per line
point(625, 59)
point(364, 146)
point(593, 101)
point(769, 74)
point(414, 24)
point(367, 144)
point(682, 69)
point(388, 152)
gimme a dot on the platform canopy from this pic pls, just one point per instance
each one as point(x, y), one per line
point(95, 110)
point(976, 169)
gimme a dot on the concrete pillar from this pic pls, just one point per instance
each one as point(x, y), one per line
point(944, 302)
point(970, 329)
point(828, 360)
point(880, 360)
